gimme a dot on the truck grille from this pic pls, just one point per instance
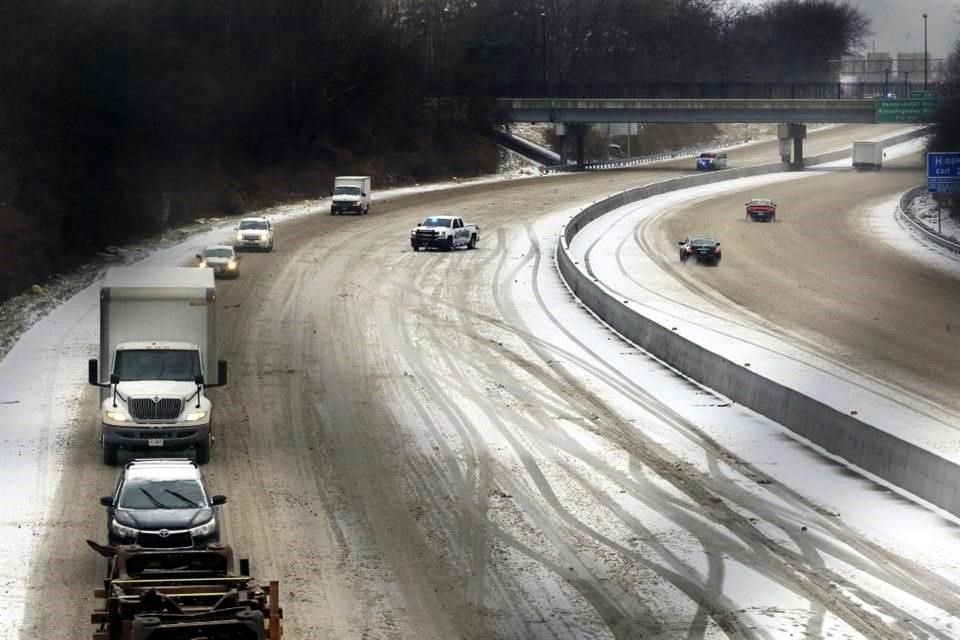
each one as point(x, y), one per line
point(160, 409)
point(426, 236)
point(173, 540)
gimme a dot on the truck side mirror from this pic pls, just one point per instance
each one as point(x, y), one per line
point(217, 500)
point(718, 244)
point(114, 378)
point(107, 501)
point(93, 373)
point(680, 243)
point(198, 379)
point(199, 257)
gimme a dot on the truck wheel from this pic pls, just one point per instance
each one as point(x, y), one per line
point(203, 452)
point(473, 242)
point(110, 454)
point(415, 246)
point(449, 245)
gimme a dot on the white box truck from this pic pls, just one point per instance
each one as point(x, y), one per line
point(158, 349)
point(351, 194)
point(867, 155)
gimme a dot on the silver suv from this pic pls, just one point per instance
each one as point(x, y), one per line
point(162, 503)
point(254, 233)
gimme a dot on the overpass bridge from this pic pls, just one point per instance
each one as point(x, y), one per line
point(790, 105)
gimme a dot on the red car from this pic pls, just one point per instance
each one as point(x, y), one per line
point(762, 210)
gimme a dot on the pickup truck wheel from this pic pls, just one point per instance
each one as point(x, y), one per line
point(416, 247)
point(203, 452)
point(449, 245)
point(473, 242)
point(110, 454)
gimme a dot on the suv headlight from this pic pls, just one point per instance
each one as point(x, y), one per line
point(204, 529)
point(199, 414)
point(118, 416)
point(239, 236)
point(123, 531)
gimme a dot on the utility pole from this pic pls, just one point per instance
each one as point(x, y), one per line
point(924, 52)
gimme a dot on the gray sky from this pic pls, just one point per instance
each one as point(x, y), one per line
point(898, 24)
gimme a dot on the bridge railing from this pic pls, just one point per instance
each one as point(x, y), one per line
point(697, 90)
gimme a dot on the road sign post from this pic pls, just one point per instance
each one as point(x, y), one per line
point(943, 172)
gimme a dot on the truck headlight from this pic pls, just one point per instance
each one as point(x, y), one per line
point(232, 265)
point(118, 416)
point(193, 416)
point(123, 531)
point(203, 264)
point(204, 529)
point(239, 236)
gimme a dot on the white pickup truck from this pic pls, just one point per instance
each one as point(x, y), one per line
point(444, 232)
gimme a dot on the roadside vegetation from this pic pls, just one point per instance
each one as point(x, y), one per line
point(945, 134)
point(121, 119)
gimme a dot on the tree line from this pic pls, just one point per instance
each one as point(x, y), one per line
point(119, 119)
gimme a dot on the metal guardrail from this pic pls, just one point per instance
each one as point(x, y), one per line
point(903, 210)
point(691, 152)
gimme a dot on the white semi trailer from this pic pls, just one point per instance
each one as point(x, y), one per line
point(867, 155)
point(158, 349)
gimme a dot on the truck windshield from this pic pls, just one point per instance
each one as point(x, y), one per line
point(437, 222)
point(346, 190)
point(157, 364)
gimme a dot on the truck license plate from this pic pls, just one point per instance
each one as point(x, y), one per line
point(155, 442)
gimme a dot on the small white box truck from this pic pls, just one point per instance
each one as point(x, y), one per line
point(158, 349)
point(867, 155)
point(351, 194)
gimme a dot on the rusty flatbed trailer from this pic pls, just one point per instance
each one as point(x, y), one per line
point(160, 594)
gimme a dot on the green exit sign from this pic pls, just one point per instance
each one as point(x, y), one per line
point(906, 109)
point(923, 94)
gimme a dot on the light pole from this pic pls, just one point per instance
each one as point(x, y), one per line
point(906, 84)
point(886, 81)
point(543, 64)
point(924, 52)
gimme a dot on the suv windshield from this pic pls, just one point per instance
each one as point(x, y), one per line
point(218, 253)
point(147, 493)
point(254, 224)
point(157, 364)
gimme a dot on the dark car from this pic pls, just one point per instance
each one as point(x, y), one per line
point(701, 248)
point(709, 161)
point(162, 503)
point(223, 259)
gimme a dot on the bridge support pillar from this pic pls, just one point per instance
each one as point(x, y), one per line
point(579, 131)
point(792, 135)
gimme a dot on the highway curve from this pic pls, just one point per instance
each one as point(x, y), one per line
point(412, 458)
point(822, 271)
